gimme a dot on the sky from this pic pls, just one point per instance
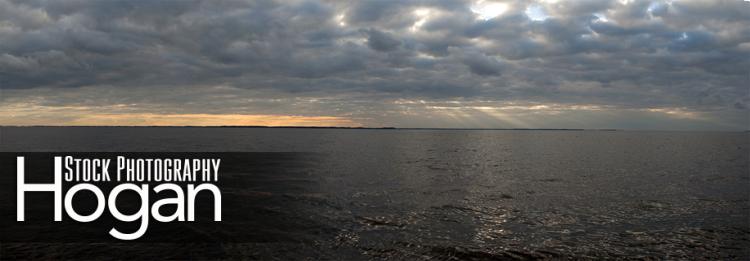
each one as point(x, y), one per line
point(627, 64)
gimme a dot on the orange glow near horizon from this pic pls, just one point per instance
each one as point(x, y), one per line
point(153, 119)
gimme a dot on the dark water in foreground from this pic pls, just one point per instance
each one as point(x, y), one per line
point(439, 194)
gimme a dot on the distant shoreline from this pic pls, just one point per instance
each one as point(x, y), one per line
point(363, 128)
point(309, 127)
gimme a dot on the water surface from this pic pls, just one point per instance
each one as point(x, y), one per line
point(459, 194)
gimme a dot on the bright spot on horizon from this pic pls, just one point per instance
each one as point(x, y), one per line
point(487, 11)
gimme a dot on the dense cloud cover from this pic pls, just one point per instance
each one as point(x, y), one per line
point(592, 64)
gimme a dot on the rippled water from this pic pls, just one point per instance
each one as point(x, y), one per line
point(464, 194)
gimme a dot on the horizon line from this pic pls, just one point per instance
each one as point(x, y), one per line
point(349, 127)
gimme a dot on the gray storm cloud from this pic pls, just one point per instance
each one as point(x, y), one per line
point(623, 64)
